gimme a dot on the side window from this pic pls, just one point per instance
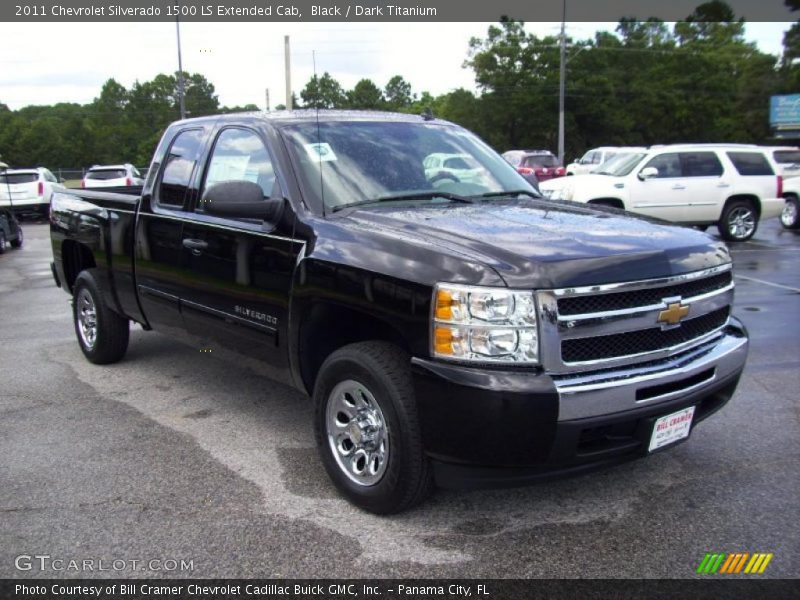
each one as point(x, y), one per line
point(750, 163)
point(590, 158)
point(136, 173)
point(668, 165)
point(240, 155)
point(700, 164)
point(179, 166)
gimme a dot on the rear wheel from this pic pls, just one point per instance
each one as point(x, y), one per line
point(367, 429)
point(17, 242)
point(102, 333)
point(790, 217)
point(739, 221)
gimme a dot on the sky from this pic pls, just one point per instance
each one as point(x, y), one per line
point(47, 63)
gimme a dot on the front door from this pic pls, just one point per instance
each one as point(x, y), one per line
point(237, 273)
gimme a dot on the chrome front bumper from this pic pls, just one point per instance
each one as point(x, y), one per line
point(624, 389)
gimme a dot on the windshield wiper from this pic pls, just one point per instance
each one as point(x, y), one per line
point(511, 193)
point(414, 196)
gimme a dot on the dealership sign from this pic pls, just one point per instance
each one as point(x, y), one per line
point(784, 111)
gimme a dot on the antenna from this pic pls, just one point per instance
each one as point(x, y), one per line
point(319, 137)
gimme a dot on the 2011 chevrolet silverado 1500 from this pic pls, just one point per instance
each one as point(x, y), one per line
point(459, 332)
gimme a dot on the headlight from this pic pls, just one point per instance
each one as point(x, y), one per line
point(482, 324)
point(563, 193)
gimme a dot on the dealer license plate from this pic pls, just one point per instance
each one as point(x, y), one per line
point(671, 428)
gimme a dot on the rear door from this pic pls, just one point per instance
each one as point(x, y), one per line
point(237, 272)
point(159, 228)
point(707, 186)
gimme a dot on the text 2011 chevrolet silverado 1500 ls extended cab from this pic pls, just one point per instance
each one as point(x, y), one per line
point(465, 333)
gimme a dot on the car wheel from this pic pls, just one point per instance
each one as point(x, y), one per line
point(739, 221)
point(790, 217)
point(367, 429)
point(444, 177)
point(17, 243)
point(2, 242)
point(102, 333)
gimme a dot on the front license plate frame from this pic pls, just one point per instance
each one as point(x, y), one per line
point(671, 428)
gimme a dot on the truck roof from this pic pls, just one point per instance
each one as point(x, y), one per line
point(324, 115)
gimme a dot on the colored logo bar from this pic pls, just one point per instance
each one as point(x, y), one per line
point(734, 562)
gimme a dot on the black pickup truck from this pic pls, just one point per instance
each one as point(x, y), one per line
point(451, 326)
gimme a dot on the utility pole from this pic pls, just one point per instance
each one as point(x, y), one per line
point(180, 68)
point(267, 98)
point(561, 84)
point(288, 68)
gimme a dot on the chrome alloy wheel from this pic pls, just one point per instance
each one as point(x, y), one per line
point(789, 214)
point(357, 433)
point(87, 318)
point(741, 222)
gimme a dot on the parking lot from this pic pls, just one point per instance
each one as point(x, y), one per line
point(175, 454)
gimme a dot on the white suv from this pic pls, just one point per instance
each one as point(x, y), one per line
point(787, 158)
point(30, 190)
point(732, 186)
point(112, 176)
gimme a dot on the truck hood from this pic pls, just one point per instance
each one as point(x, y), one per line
point(544, 244)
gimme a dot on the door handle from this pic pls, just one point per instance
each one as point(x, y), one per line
point(196, 246)
point(723, 185)
point(678, 186)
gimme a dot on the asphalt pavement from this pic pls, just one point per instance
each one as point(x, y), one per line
point(176, 455)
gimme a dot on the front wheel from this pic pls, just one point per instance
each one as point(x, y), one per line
point(102, 333)
point(367, 429)
point(790, 217)
point(739, 221)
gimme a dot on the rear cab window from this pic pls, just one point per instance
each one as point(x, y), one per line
point(15, 178)
point(750, 163)
point(540, 160)
point(106, 174)
point(787, 157)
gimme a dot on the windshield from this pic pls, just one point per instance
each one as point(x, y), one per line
point(620, 165)
point(106, 174)
point(358, 161)
point(13, 178)
point(540, 160)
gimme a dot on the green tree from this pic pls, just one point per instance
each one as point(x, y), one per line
point(323, 92)
point(398, 93)
point(365, 95)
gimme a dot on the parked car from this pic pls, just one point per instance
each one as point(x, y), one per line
point(540, 165)
point(790, 217)
point(30, 190)
point(447, 331)
point(596, 157)
point(10, 230)
point(787, 158)
point(732, 186)
point(112, 176)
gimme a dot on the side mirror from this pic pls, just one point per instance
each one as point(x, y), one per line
point(240, 199)
point(648, 173)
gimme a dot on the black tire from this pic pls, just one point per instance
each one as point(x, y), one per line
point(700, 227)
point(109, 340)
point(739, 220)
point(383, 371)
point(608, 203)
point(2, 242)
point(790, 217)
point(17, 243)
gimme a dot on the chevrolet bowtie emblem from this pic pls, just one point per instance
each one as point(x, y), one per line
point(673, 315)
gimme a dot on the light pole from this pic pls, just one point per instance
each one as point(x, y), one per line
point(561, 84)
point(180, 67)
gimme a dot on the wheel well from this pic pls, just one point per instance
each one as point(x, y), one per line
point(751, 198)
point(326, 328)
point(75, 257)
point(615, 202)
point(791, 195)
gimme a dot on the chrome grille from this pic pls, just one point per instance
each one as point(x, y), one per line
point(641, 341)
point(617, 301)
point(604, 326)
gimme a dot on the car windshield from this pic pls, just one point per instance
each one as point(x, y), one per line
point(354, 162)
point(13, 178)
point(540, 160)
point(104, 174)
point(620, 165)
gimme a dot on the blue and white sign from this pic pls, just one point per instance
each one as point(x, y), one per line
point(785, 110)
